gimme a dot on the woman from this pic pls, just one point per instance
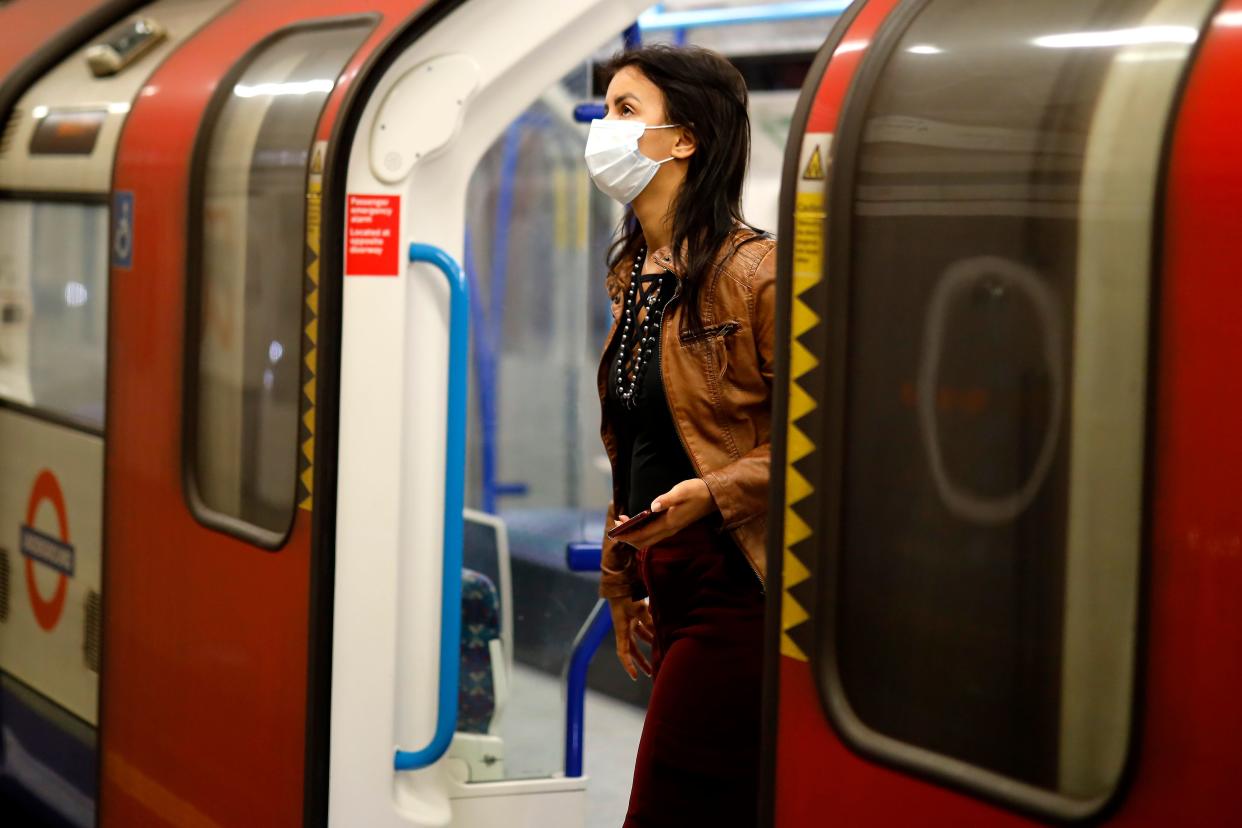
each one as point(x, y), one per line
point(686, 382)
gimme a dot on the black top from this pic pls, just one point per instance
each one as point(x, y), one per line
point(653, 459)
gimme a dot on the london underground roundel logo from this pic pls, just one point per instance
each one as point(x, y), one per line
point(47, 550)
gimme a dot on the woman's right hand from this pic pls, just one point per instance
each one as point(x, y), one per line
point(631, 620)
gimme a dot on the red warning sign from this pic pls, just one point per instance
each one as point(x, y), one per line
point(372, 232)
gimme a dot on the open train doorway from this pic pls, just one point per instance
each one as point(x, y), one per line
point(470, 155)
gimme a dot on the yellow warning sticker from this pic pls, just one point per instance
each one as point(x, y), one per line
point(808, 249)
point(814, 169)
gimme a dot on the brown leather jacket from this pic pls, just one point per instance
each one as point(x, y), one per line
point(718, 380)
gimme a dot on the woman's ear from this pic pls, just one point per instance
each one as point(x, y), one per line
point(685, 144)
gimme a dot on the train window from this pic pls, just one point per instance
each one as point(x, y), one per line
point(54, 308)
point(994, 207)
point(245, 398)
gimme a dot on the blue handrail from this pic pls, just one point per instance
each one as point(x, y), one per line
point(592, 634)
point(454, 497)
point(657, 19)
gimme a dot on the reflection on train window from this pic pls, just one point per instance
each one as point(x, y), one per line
point(54, 308)
point(246, 413)
point(989, 546)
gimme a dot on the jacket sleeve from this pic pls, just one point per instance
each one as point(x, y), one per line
point(740, 489)
point(619, 577)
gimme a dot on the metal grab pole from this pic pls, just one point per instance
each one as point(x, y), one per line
point(592, 634)
point(454, 495)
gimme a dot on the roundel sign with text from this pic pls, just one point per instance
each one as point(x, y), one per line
point(42, 549)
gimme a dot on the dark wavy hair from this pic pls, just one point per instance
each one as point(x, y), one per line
point(706, 95)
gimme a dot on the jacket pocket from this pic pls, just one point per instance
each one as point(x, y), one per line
point(712, 345)
point(712, 331)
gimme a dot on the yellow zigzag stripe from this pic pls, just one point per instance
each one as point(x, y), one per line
point(800, 403)
point(799, 446)
point(790, 649)
point(803, 318)
point(796, 530)
point(308, 476)
point(795, 571)
point(808, 272)
point(314, 190)
point(805, 281)
point(797, 487)
point(792, 613)
point(801, 361)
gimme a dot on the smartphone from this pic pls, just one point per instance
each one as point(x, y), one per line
point(633, 523)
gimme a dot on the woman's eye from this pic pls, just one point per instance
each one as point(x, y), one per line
point(627, 110)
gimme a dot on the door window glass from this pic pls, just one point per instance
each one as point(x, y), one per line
point(249, 348)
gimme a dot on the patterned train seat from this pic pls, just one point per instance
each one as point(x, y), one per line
point(480, 625)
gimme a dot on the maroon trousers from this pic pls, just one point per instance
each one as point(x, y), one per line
point(698, 760)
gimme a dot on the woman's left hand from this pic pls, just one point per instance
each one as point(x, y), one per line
point(680, 506)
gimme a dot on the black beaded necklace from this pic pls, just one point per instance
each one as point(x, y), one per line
point(638, 340)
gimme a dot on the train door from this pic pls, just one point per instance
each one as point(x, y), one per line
point(212, 622)
point(966, 481)
point(56, 161)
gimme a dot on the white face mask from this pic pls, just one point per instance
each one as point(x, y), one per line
point(615, 163)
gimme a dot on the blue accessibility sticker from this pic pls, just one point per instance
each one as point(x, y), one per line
point(123, 229)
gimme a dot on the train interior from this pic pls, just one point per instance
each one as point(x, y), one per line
point(478, 137)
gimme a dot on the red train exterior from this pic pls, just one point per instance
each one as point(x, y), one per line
point(1184, 754)
point(205, 696)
